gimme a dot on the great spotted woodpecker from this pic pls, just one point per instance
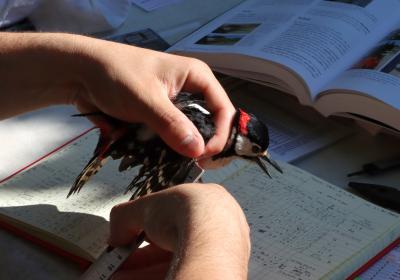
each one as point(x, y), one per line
point(162, 167)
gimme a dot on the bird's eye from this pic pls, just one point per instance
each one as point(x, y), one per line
point(256, 149)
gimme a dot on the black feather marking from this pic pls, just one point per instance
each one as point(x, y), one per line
point(90, 170)
point(258, 132)
point(126, 162)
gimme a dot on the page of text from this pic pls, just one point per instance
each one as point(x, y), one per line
point(38, 196)
point(303, 228)
point(377, 74)
point(315, 39)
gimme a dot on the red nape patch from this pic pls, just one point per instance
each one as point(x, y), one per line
point(244, 119)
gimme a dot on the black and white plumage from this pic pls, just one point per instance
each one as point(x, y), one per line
point(160, 166)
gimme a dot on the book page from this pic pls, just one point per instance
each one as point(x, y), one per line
point(377, 73)
point(27, 137)
point(304, 228)
point(317, 40)
point(38, 196)
point(373, 79)
point(331, 36)
point(244, 28)
point(243, 31)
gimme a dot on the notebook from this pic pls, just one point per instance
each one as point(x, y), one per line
point(301, 226)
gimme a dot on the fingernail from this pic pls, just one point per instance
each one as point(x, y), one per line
point(188, 140)
point(191, 143)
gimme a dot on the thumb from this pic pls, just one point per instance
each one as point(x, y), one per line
point(154, 213)
point(175, 128)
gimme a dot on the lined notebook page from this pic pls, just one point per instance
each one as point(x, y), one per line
point(304, 228)
point(38, 196)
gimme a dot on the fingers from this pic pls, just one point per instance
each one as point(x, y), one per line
point(175, 128)
point(126, 222)
point(223, 122)
point(203, 81)
point(201, 223)
point(154, 213)
point(137, 90)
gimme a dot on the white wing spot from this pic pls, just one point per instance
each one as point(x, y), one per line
point(198, 107)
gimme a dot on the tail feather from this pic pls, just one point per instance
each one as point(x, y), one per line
point(142, 188)
point(138, 180)
point(90, 169)
point(127, 162)
point(145, 182)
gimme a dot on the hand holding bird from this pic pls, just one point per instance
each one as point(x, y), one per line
point(162, 167)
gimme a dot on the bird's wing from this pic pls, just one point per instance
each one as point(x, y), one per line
point(104, 148)
point(158, 170)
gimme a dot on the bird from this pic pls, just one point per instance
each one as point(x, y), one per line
point(160, 167)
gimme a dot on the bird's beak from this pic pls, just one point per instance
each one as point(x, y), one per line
point(262, 165)
point(268, 159)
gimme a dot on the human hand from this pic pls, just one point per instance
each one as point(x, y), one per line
point(125, 82)
point(135, 85)
point(196, 231)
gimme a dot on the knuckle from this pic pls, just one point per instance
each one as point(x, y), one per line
point(171, 120)
point(169, 115)
point(199, 64)
point(221, 194)
point(116, 212)
point(216, 147)
point(113, 212)
point(218, 188)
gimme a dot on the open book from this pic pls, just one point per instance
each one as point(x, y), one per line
point(339, 56)
point(302, 227)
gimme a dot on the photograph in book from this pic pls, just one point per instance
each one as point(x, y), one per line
point(361, 3)
point(387, 51)
point(393, 68)
point(227, 34)
point(236, 28)
point(220, 39)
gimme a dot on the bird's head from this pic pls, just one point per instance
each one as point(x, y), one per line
point(251, 139)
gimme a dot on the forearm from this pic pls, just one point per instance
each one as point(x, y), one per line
point(37, 70)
